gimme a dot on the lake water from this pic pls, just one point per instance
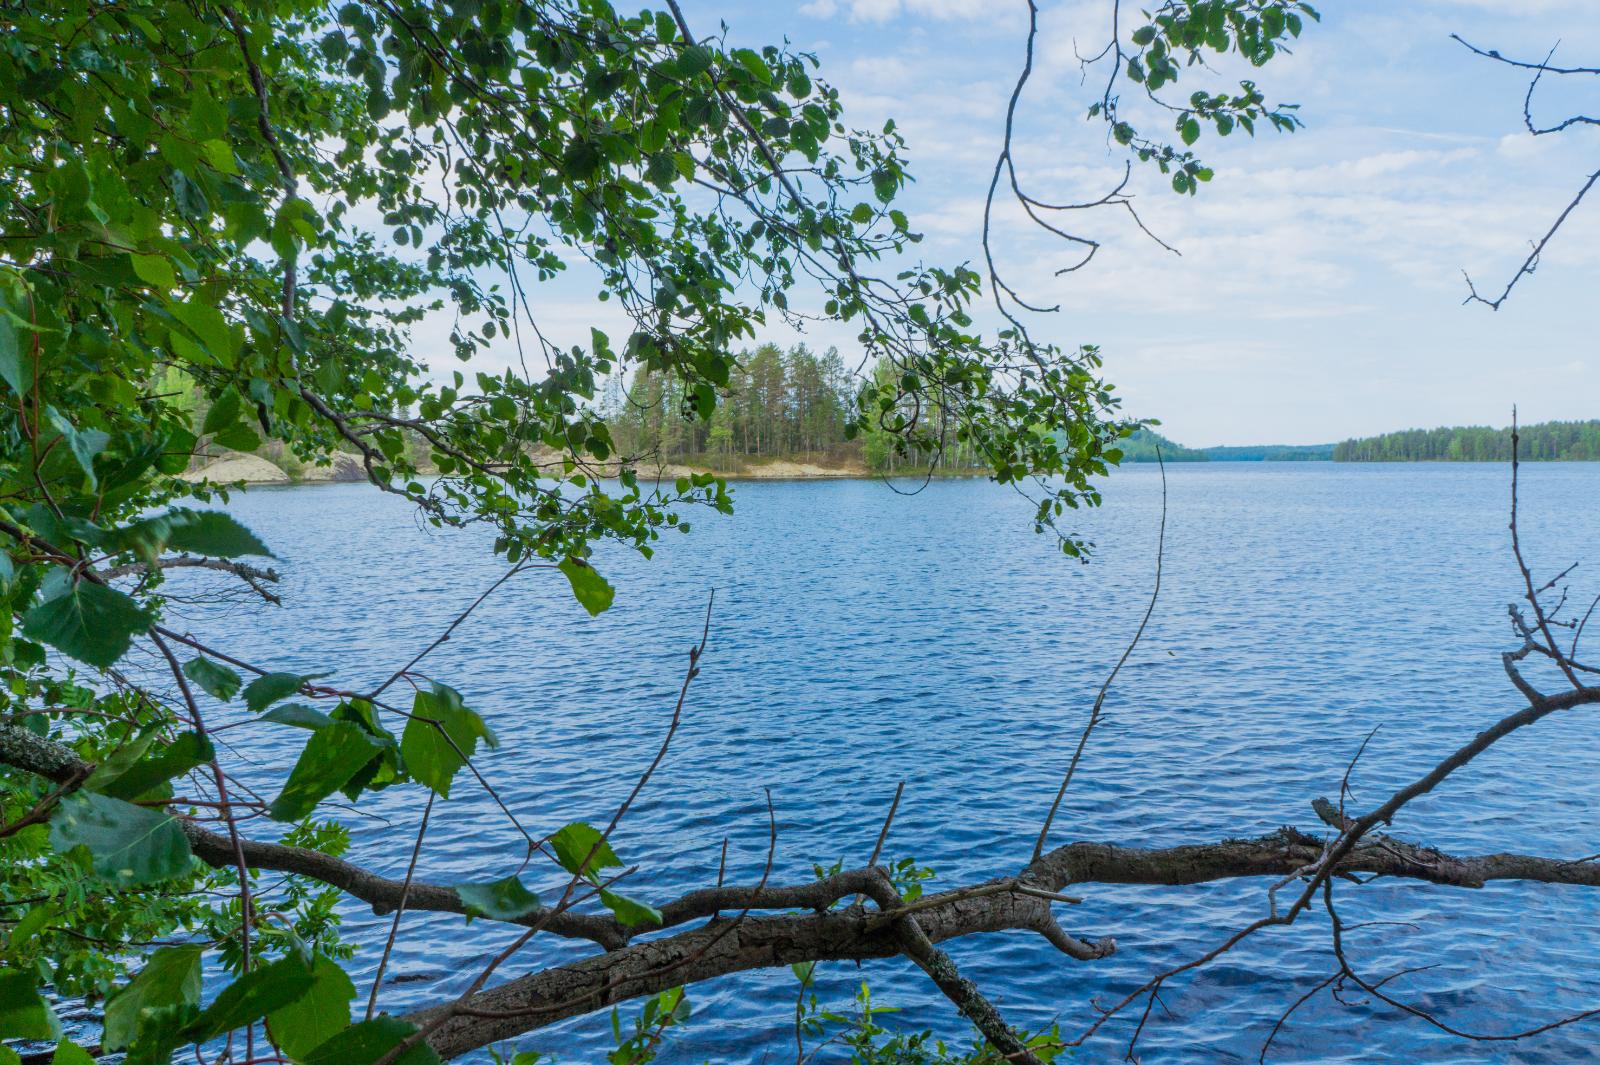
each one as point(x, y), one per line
point(862, 638)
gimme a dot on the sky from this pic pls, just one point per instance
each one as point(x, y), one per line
point(1318, 294)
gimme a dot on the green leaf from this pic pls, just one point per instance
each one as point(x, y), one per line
point(172, 975)
point(213, 533)
point(15, 372)
point(331, 757)
point(90, 622)
point(588, 586)
point(189, 751)
point(160, 1032)
point(154, 270)
point(208, 325)
point(297, 714)
point(123, 758)
point(1190, 130)
point(83, 444)
point(696, 59)
point(127, 844)
point(68, 1053)
point(238, 437)
point(215, 680)
point(630, 912)
point(223, 413)
point(319, 1014)
point(220, 156)
point(503, 900)
point(753, 63)
point(441, 735)
point(365, 1043)
point(24, 1013)
point(252, 996)
point(581, 850)
point(32, 923)
point(268, 689)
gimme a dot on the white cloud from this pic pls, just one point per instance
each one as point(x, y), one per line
point(880, 11)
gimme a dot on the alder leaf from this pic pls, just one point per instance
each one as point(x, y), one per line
point(88, 621)
point(588, 586)
point(503, 900)
point(127, 844)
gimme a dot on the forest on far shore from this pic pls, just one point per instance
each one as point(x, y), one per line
point(1545, 442)
point(779, 404)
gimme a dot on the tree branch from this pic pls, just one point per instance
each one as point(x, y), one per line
point(633, 969)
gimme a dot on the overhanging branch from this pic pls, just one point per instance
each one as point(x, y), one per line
point(632, 968)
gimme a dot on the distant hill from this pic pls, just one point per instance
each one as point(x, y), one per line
point(1141, 447)
point(1546, 442)
point(1272, 453)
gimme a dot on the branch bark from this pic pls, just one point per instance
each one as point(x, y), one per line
point(629, 969)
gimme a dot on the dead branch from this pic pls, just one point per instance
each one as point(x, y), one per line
point(639, 963)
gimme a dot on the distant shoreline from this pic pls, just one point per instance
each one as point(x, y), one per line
point(235, 468)
point(256, 471)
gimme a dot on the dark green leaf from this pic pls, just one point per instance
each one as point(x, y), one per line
point(68, 1053)
point(82, 444)
point(503, 900)
point(441, 735)
point(90, 622)
point(189, 751)
point(365, 1043)
point(297, 714)
point(172, 975)
point(214, 533)
point(224, 412)
point(268, 689)
point(317, 1015)
point(24, 1013)
point(127, 844)
point(588, 586)
point(238, 437)
point(215, 680)
point(15, 369)
point(581, 850)
point(252, 996)
point(331, 757)
point(161, 1031)
point(630, 912)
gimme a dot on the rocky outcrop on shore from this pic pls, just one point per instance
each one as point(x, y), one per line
point(234, 467)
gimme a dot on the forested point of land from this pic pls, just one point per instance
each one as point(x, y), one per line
point(1545, 442)
point(1141, 447)
point(777, 405)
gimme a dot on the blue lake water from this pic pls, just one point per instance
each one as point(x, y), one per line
point(861, 638)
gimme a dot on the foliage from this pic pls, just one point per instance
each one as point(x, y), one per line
point(1549, 441)
point(221, 224)
point(1177, 36)
point(859, 1032)
point(778, 404)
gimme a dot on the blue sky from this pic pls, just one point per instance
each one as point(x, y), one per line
point(1319, 292)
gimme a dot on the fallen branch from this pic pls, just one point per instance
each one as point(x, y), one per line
point(824, 932)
